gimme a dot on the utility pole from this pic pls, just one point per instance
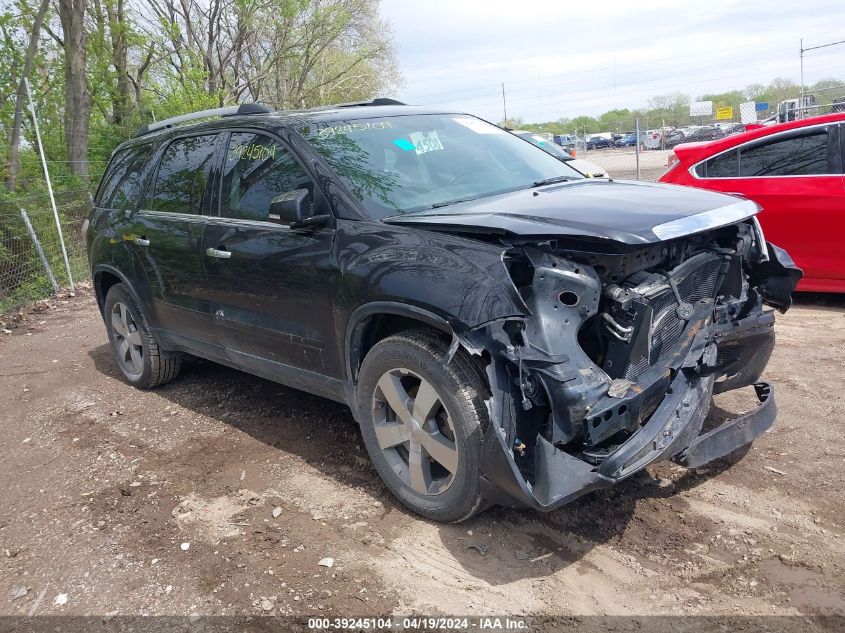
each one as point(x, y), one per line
point(504, 103)
point(801, 56)
point(637, 132)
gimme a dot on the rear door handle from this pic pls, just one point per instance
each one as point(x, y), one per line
point(141, 241)
point(213, 252)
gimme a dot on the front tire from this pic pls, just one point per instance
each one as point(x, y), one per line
point(136, 350)
point(423, 424)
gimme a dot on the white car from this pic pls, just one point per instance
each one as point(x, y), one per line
point(586, 167)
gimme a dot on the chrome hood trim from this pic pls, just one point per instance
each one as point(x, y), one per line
point(712, 219)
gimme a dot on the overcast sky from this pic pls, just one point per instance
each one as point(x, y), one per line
point(562, 58)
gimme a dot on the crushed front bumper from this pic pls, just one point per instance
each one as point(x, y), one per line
point(673, 430)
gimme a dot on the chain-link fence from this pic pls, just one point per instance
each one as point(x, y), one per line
point(630, 151)
point(31, 262)
point(638, 148)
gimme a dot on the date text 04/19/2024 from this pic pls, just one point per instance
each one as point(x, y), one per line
point(417, 623)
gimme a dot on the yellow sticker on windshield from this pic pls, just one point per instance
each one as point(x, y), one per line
point(425, 141)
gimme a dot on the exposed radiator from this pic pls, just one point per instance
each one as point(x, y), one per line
point(697, 278)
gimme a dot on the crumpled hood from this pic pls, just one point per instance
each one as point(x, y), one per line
point(623, 211)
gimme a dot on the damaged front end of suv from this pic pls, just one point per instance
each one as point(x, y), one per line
point(613, 364)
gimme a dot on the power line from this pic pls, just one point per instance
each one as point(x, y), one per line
point(812, 48)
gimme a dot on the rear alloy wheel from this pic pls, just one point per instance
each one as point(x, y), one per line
point(135, 348)
point(127, 339)
point(423, 423)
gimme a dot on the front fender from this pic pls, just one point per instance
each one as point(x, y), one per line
point(456, 278)
point(358, 321)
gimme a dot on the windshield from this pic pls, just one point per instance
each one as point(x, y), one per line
point(402, 164)
point(549, 146)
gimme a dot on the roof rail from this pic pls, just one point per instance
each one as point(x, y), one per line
point(244, 108)
point(379, 101)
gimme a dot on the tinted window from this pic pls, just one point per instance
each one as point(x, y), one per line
point(123, 183)
point(407, 163)
point(183, 174)
point(796, 156)
point(257, 170)
point(722, 166)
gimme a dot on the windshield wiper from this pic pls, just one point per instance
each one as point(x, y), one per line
point(551, 181)
point(436, 205)
point(448, 203)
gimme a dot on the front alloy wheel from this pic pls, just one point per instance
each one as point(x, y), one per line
point(423, 422)
point(414, 431)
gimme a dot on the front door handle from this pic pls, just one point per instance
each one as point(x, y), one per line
point(213, 252)
point(141, 241)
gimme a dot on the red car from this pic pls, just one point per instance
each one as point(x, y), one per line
point(794, 171)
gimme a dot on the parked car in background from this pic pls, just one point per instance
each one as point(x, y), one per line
point(586, 167)
point(653, 139)
point(694, 134)
point(731, 128)
point(628, 140)
point(569, 142)
point(794, 171)
point(705, 133)
point(675, 137)
point(599, 142)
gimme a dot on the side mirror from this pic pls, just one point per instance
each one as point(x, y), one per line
point(290, 207)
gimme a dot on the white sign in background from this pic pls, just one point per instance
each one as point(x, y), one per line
point(748, 112)
point(701, 108)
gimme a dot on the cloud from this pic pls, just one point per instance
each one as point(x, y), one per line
point(565, 59)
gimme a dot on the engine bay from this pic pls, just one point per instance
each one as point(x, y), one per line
point(609, 327)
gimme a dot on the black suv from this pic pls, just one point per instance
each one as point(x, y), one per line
point(504, 330)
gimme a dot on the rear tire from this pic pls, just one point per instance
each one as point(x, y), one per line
point(136, 350)
point(423, 424)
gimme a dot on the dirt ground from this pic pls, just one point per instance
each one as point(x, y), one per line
point(119, 501)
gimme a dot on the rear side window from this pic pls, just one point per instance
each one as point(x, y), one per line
point(183, 173)
point(804, 155)
point(257, 170)
point(721, 166)
point(123, 184)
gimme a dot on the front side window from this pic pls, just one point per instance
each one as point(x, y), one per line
point(257, 170)
point(407, 163)
point(124, 181)
point(804, 155)
point(183, 173)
